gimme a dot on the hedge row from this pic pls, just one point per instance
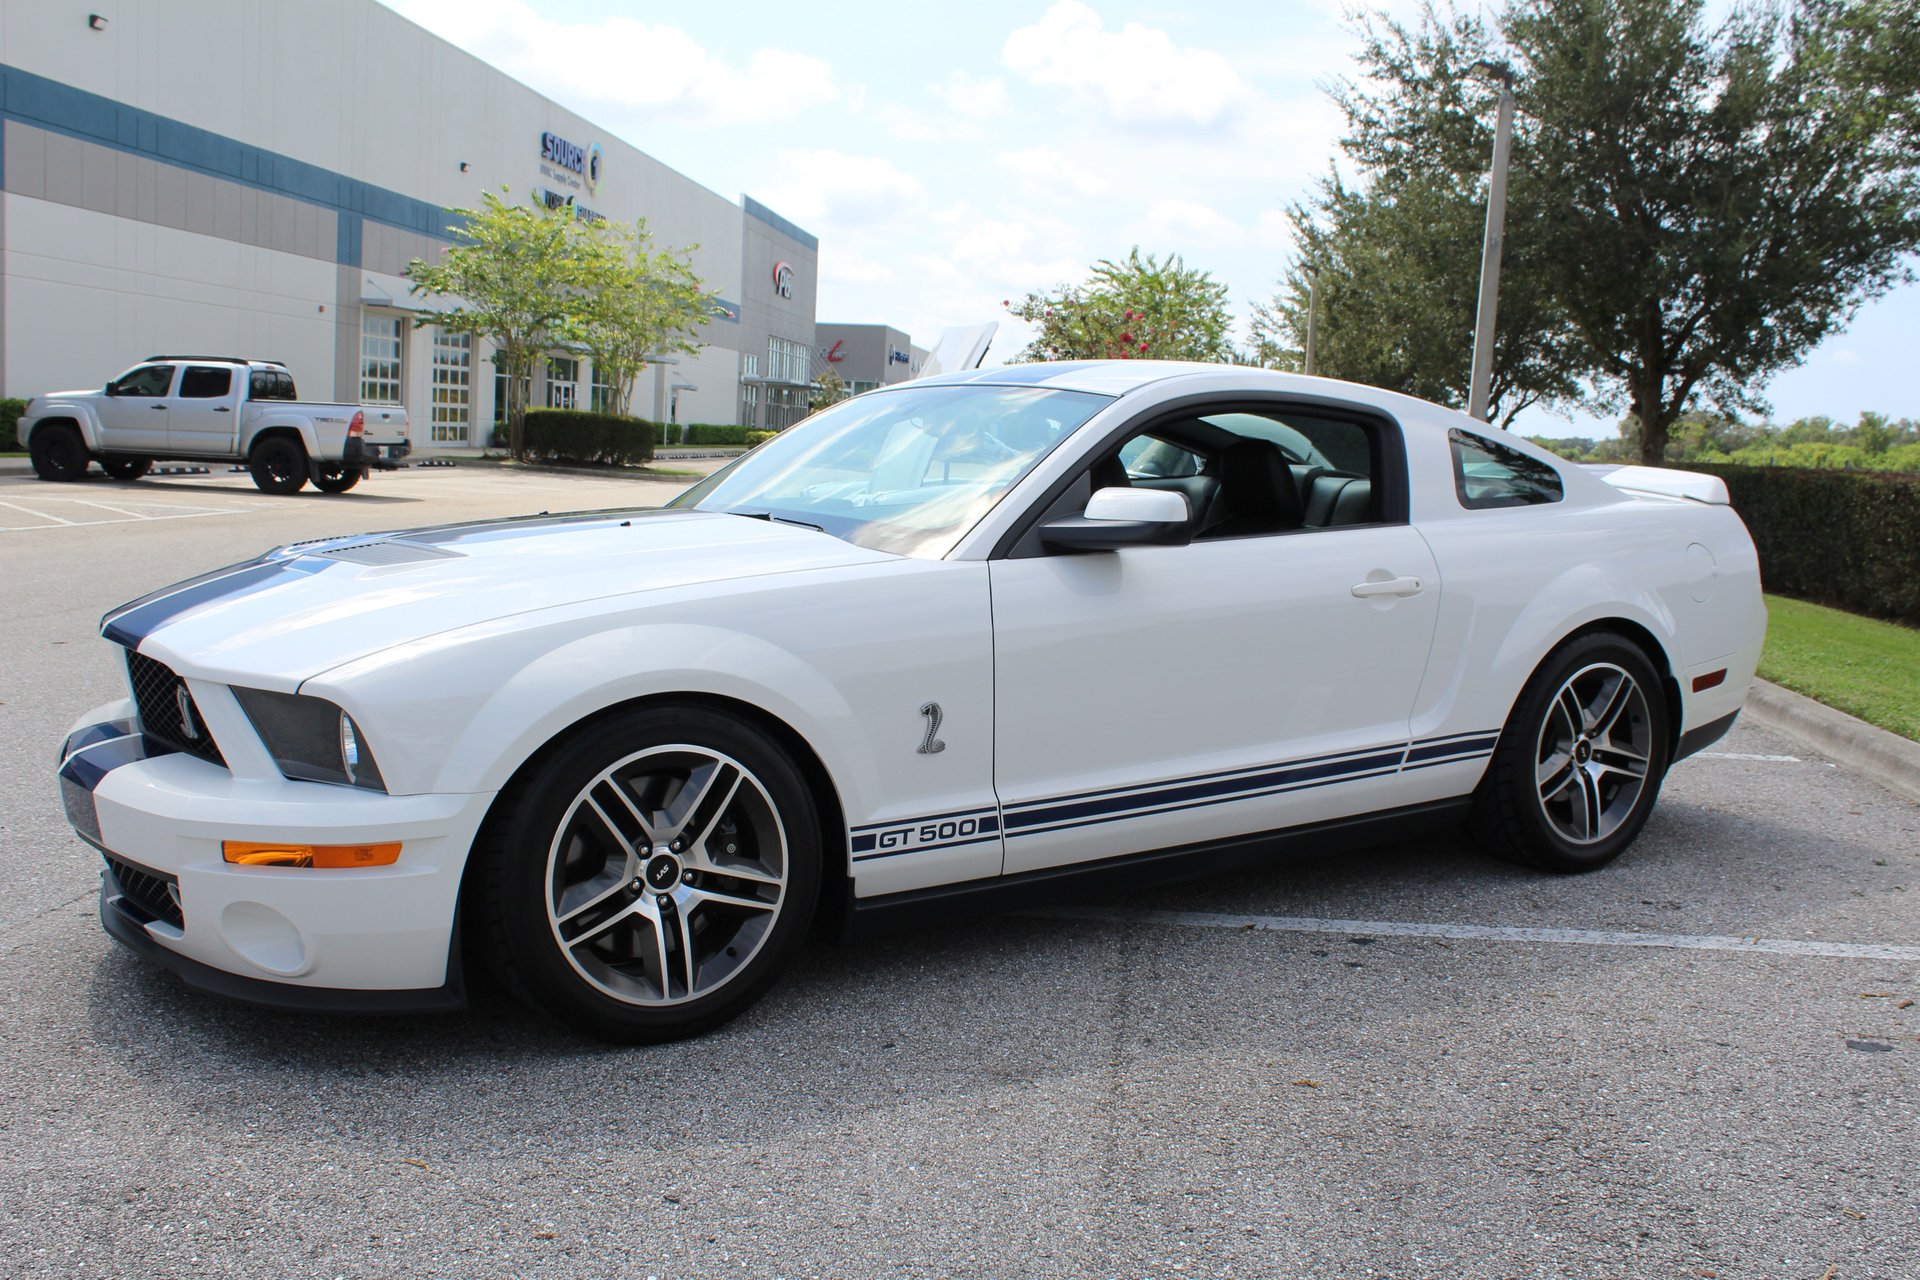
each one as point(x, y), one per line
point(711, 434)
point(576, 435)
point(1845, 538)
point(10, 411)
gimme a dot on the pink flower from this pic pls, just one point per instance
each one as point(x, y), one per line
point(1143, 346)
point(1127, 337)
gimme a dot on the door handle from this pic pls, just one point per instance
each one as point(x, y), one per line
point(221, 409)
point(1408, 586)
point(156, 406)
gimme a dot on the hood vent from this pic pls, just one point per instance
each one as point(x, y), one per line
point(388, 552)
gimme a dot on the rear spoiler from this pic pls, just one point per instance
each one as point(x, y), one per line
point(1692, 485)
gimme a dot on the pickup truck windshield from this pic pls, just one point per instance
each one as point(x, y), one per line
point(907, 471)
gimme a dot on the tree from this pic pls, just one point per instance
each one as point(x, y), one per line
point(516, 277)
point(829, 390)
point(1145, 308)
point(1691, 210)
point(1397, 269)
point(641, 304)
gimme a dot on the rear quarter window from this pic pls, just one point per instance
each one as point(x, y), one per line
point(1487, 474)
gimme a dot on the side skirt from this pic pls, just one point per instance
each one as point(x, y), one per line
point(1703, 737)
point(918, 907)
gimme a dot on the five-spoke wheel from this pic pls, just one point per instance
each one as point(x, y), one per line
point(1593, 753)
point(1581, 759)
point(651, 877)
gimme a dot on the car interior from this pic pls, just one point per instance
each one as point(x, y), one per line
point(1247, 474)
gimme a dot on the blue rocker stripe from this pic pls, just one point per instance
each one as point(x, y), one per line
point(1210, 791)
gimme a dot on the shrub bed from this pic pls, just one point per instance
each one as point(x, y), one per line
point(1846, 538)
point(711, 433)
point(576, 435)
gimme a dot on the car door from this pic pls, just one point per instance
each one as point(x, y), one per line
point(1259, 677)
point(201, 411)
point(133, 414)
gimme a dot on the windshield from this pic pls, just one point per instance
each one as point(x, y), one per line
point(908, 471)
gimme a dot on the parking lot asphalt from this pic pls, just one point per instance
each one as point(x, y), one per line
point(1407, 1061)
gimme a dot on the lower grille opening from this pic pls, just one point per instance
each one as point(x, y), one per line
point(168, 716)
point(147, 896)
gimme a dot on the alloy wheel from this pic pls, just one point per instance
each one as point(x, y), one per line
point(666, 875)
point(1593, 753)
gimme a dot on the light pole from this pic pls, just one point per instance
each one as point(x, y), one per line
point(1313, 316)
point(1477, 395)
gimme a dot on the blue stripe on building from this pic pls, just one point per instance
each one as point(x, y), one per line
point(75, 113)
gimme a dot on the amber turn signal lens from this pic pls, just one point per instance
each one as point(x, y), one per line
point(250, 853)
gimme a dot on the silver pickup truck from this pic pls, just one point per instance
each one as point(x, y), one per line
point(214, 409)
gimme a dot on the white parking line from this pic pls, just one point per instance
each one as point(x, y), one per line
point(1492, 933)
point(1742, 755)
point(129, 510)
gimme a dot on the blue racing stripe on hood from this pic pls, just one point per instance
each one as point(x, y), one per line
point(131, 624)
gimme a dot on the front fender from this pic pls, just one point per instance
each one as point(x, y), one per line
point(467, 744)
point(62, 411)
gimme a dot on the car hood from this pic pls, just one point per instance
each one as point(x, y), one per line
point(305, 608)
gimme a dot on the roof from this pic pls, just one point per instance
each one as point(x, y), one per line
point(1118, 377)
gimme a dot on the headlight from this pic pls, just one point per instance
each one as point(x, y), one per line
point(311, 739)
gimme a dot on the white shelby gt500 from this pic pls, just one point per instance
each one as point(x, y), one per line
point(971, 635)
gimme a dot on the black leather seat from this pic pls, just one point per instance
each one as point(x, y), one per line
point(1336, 499)
point(1258, 493)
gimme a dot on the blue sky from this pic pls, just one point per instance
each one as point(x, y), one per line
point(950, 157)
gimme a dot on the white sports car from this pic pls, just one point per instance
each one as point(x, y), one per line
point(969, 636)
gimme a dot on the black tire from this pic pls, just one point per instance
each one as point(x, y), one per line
point(337, 479)
point(585, 847)
point(279, 465)
point(58, 453)
point(1580, 760)
point(126, 468)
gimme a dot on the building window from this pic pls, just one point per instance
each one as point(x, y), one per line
point(452, 387)
point(500, 395)
point(855, 388)
point(380, 377)
point(789, 361)
point(603, 399)
point(749, 404)
point(563, 382)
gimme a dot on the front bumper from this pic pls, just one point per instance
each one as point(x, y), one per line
point(380, 457)
point(362, 940)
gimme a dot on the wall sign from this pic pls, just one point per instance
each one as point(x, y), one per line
point(574, 158)
point(783, 279)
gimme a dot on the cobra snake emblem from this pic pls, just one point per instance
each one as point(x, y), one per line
point(932, 746)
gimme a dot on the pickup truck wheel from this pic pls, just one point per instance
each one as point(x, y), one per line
point(126, 468)
point(279, 465)
point(337, 479)
point(653, 876)
point(58, 453)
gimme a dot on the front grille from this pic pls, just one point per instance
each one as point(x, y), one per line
point(168, 716)
point(146, 895)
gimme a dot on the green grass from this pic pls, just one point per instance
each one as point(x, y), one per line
point(1862, 666)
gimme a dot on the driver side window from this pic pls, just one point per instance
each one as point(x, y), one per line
point(147, 380)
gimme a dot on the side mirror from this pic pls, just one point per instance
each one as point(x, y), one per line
point(107, 390)
point(1117, 518)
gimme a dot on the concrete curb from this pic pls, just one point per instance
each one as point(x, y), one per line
point(1885, 758)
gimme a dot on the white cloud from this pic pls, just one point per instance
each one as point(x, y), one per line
point(831, 191)
point(621, 63)
point(1052, 170)
point(1179, 222)
point(1137, 73)
point(976, 97)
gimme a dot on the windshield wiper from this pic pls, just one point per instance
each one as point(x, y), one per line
point(770, 517)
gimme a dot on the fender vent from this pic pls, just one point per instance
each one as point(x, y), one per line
point(387, 552)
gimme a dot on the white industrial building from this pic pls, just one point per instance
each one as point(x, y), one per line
point(250, 178)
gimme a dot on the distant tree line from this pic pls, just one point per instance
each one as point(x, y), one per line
point(1874, 443)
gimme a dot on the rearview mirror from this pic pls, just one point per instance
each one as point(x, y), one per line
point(1117, 518)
